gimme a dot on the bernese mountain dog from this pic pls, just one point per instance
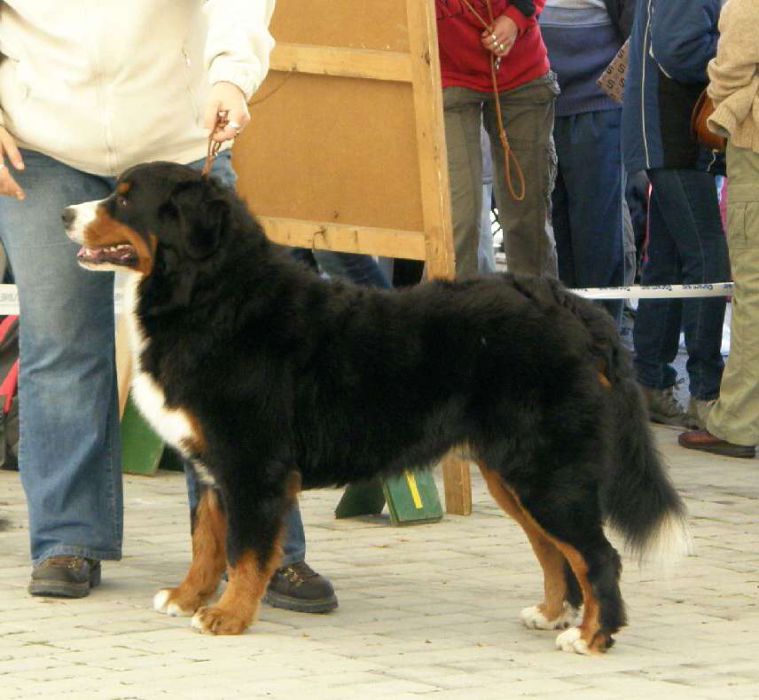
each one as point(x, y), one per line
point(270, 379)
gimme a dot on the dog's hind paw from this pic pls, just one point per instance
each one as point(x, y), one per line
point(218, 620)
point(168, 602)
point(571, 640)
point(534, 618)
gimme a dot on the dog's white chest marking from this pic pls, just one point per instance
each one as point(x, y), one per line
point(173, 425)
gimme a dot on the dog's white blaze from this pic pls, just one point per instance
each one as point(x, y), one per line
point(171, 424)
point(85, 215)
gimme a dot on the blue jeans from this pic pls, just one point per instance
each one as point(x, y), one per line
point(686, 246)
point(359, 269)
point(70, 451)
point(587, 202)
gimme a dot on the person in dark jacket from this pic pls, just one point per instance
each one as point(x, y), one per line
point(582, 37)
point(671, 43)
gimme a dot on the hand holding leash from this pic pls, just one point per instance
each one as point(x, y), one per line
point(9, 150)
point(501, 36)
point(229, 99)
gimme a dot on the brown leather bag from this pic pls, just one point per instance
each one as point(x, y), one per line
point(702, 110)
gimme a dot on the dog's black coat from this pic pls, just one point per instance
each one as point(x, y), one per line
point(289, 374)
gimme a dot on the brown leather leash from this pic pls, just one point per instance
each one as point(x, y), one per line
point(508, 155)
point(222, 119)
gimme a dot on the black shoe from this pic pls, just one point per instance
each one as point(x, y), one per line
point(65, 577)
point(298, 587)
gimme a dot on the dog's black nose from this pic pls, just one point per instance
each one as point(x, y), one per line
point(68, 216)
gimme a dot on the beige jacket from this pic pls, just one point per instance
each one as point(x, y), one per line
point(107, 84)
point(734, 75)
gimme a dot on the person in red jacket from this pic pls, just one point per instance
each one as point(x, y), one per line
point(519, 78)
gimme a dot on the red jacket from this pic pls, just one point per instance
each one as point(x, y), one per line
point(466, 63)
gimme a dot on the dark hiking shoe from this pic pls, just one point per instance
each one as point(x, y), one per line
point(65, 577)
point(298, 587)
point(706, 442)
point(663, 406)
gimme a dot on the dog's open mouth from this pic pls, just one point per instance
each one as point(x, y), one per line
point(122, 254)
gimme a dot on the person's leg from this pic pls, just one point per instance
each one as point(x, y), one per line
point(689, 206)
point(590, 158)
point(657, 323)
point(735, 416)
point(528, 114)
point(485, 253)
point(562, 231)
point(463, 117)
point(359, 269)
point(70, 454)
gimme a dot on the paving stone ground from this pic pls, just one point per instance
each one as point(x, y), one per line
point(428, 611)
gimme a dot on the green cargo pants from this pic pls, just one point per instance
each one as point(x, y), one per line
point(528, 113)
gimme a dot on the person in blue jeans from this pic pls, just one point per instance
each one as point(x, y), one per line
point(671, 43)
point(73, 116)
point(582, 37)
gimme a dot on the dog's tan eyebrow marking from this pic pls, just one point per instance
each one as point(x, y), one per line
point(123, 187)
point(104, 230)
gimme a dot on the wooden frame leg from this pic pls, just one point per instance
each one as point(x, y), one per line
point(458, 485)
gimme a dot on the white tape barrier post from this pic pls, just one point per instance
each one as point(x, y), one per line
point(9, 296)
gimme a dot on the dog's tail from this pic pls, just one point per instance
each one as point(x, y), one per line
point(638, 498)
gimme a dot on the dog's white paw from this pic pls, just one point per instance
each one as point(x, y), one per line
point(571, 640)
point(533, 618)
point(163, 604)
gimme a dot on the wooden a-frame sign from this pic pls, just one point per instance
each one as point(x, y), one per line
point(346, 147)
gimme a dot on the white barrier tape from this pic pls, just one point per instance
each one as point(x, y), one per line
point(9, 295)
point(664, 291)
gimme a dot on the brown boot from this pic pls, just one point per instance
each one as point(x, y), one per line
point(65, 577)
point(706, 442)
point(298, 587)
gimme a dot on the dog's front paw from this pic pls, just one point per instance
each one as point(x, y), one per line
point(174, 602)
point(534, 618)
point(219, 620)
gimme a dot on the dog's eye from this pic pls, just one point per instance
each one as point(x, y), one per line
point(121, 200)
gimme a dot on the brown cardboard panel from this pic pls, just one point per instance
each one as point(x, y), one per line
point(362, 24)
point(339, 150)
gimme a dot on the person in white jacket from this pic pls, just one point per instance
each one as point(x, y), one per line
point(86, 91)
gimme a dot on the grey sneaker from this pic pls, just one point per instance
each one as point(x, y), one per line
point(663, 407)
point(697, 413)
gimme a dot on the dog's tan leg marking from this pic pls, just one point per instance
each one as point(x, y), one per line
point(555, 613)
point(208, 561)
point(238, 607)
point(587, 638)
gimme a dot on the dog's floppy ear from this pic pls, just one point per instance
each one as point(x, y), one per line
point(202, 214)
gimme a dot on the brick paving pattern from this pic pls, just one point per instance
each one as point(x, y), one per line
point(429, 611)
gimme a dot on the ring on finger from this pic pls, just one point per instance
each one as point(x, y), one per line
point(501, 47)
point(234, 126)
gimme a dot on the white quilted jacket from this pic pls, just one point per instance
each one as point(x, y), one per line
point(104, 84)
